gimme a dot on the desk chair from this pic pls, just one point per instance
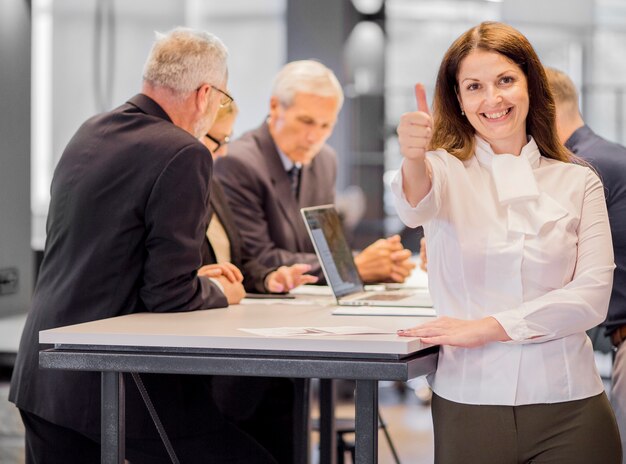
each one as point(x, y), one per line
point(345, 426)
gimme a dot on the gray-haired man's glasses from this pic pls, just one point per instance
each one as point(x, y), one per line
point(225, 99)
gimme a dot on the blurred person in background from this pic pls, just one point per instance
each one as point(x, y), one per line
point(223, 246)
point(284, 165)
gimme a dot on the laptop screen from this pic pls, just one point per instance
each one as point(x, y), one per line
point(332, 249)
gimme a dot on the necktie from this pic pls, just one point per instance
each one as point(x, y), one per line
point(294, 177)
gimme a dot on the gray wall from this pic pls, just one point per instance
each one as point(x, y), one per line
point(15, 250)
point(253, 30)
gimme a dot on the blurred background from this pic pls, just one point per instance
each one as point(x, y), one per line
point(87, 57)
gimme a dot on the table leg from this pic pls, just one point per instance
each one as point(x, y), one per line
point(302, 414)
point(112, 421)
point(366, 409)
point(328, 434)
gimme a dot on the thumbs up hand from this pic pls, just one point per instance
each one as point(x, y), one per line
point(414, 133)
point(415, 128)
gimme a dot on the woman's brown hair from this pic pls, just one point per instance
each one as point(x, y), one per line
point(453, 132)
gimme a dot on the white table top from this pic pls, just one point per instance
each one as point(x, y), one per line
point(219, 329)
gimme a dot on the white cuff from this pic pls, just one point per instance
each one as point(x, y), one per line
point(217, 283)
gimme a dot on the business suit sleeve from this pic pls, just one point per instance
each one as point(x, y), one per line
point(249, 196)
point(174, 232)
point(254, 273)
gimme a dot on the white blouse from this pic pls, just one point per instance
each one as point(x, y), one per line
point(524, 239)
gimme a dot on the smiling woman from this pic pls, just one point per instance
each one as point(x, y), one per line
point(519, 261)
point(493, 94)
point(501, 64)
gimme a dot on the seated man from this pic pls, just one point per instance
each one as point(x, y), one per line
point(285, 165)
point(223, 251)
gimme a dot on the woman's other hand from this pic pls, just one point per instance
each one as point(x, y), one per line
point(458, 332)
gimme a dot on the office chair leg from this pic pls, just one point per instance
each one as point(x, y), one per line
point(302, 420)
point(383, 425)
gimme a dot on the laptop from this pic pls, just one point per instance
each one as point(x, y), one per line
point(335, 256)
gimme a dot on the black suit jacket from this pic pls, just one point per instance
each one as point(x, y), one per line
point(127, 218)
point(254, 273)
point(264, 207)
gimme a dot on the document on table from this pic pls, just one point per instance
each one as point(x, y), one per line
point(316, 331)
point(383, 311)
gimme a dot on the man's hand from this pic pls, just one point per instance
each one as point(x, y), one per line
point(385, 260)
point(285, 278)
point(458, 332)
point(233, 291)
point(227, 270)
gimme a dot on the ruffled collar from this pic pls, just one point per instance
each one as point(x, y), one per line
point(513, 175)
point(528, 209)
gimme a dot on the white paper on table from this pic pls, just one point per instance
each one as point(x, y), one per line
point(384, 311)
point(317, 331)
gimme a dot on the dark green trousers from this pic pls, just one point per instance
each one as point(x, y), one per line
point(573, 432)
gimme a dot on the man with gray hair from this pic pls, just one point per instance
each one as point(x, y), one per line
point(270, 173)
point(285, 164)
point(128, 213)
point(609, 160)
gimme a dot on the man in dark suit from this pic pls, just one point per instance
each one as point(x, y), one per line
point(270, 173)
point(127, 218)
point(223, 244)
point(285, 165)
point(609, 160)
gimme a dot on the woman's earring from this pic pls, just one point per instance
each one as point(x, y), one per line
point(462, 112)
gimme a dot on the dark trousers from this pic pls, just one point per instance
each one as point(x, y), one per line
point(573, 432)
point(48, 443)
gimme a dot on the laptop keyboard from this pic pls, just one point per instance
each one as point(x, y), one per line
point(394, 296)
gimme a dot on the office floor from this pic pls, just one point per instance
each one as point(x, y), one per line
point(11, 428)
point(408, 423)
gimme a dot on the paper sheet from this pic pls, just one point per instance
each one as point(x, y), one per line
point(383, 311)
point(316, 331)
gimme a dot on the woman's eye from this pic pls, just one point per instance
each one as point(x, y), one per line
point(472, 87)
point(507, 80)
